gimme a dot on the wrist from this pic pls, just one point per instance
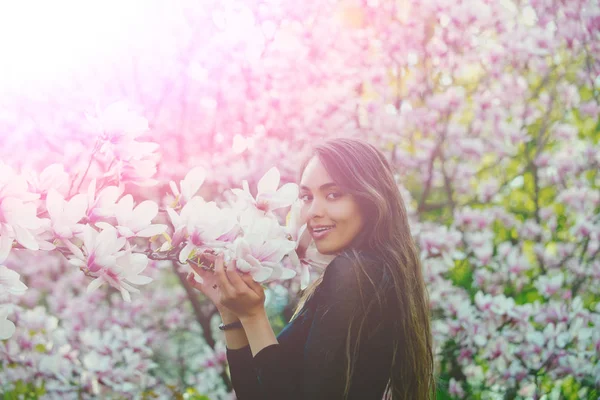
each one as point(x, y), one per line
point(228, 317)
point(251, 318)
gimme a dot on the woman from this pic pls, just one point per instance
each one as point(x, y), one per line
point(362, 329)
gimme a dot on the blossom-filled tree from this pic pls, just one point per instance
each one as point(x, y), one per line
point(130, 150)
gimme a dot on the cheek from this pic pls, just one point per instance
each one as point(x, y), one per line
point(345, 212)
point(303, 214)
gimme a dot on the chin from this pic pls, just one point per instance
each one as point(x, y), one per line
point(327, 250)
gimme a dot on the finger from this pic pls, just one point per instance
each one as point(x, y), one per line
point(252, 284)
point(198, 269)
point(222, 279)
point(194, 283)
point(207, 258)
point(234, 277)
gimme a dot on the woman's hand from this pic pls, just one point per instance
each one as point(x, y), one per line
point(209, 286)
point(230, 290)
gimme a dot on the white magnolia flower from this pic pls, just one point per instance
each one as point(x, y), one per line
point(18, 213)
point(203, 226)
point(262, 259)
point(52, 177)
point(136, 221)
point(65, 216)
point(9, 281)
point(103, 205)
point(262, 248)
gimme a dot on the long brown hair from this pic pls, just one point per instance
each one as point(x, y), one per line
point(361, 170)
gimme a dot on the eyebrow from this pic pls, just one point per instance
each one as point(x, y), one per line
point(323, 186)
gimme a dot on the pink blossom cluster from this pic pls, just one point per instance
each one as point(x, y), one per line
point(488, 112)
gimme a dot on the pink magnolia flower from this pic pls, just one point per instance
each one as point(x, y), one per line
point(269, 197)
point(189, 185)
point(106, 260)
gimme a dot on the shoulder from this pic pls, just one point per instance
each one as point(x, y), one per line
point(349, 268)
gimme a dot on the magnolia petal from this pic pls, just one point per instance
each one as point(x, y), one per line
point(95, 284)
point(25, 238)
point(5, 246)
point(125, 231)
point(287, 273)
point(243, 265)
point(109, 195)
point(274, 250)
point(54, 204)
point(124, 209)
point(152, 230)
point(9, 281)
point(294, 259)
point(231, 235)
point(175, 218)
point(246, 187)
point(281, 273)
point(269, 182)
point(7, 329)
point(144, 212)
point(261, 274)
point(103, 225)
point(165, 246)
point(74, 249)
point(242, 248)
point(106, 240)
point(76, 208)
point(138, 262)
point(139, 279)
point(184, 254)
point(174, 189)
point(126, 296)
point(192, 182)
point(46, 246)
point(285, 196)
point(304, 277)
point(76, 262)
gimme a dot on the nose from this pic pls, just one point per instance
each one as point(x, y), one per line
point(315, 209)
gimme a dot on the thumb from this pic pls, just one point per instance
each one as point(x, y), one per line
point(191, 280)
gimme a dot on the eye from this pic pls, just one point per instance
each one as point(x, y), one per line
point(303, 197)
point(335, 195)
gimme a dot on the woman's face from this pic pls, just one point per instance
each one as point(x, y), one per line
point(325, 205)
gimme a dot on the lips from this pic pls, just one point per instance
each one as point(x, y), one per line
point(320, 234)
point(320, 227)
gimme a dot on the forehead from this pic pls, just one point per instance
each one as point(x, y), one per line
point(315, 174)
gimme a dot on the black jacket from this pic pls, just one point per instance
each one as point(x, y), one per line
point(309, 363)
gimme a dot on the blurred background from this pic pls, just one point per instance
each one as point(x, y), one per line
point(488, 110)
